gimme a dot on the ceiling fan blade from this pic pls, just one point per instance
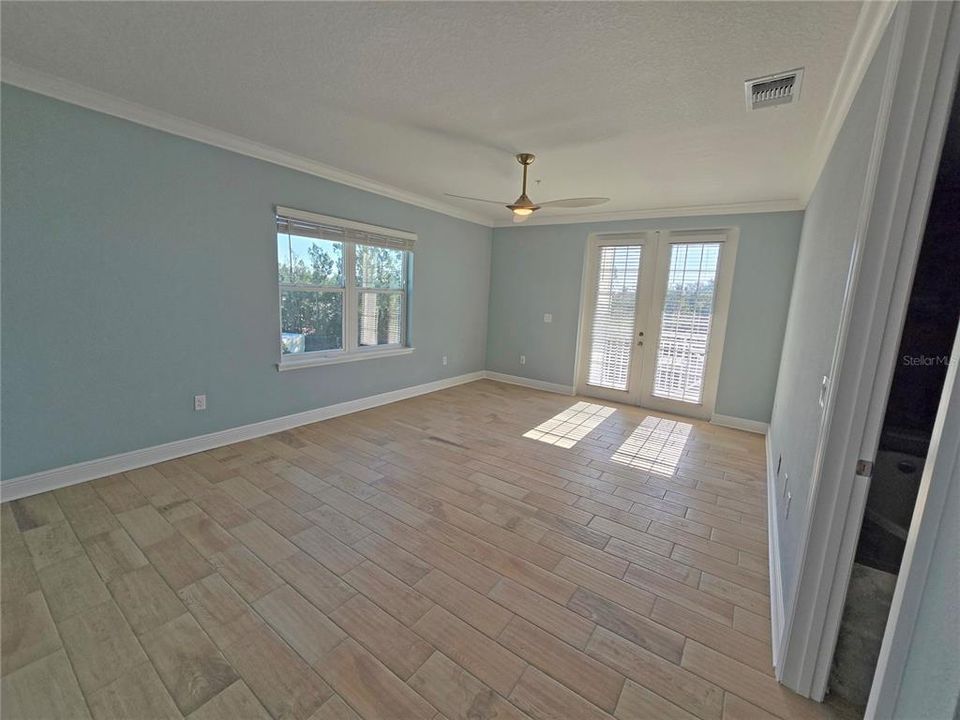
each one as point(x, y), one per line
point(466, 197)
point(575, 202)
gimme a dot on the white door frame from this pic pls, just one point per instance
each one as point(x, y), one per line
point(941, 468)
point(654, 263)
point(903, 165)
point(943, 457)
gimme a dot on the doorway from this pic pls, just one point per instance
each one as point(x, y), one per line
point(913, 400)
point(654, 318)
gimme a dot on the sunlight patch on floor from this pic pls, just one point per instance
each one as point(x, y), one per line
point(656, 446)
point(567, 428)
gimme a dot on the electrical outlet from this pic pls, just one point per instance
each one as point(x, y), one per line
point(444, 360)
point(786, 511)
point(523, 359)
point(199, 402)
point(548, 317)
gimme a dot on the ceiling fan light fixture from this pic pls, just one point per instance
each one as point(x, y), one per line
point(523, 207)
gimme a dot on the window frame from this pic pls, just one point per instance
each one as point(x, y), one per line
point(350, 292)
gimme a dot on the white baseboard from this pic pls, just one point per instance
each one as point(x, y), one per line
point(91, 469)
point(54, 478)
point(530, 383)
point(777, 612)
point(754, 426)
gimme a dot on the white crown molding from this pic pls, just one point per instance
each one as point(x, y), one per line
point(52, 479)
point(871, 23)
point(52, 86)
point(76, 94)
point(762, 206)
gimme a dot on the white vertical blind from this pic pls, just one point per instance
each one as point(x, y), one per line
point(614, 316)
point(685, 322)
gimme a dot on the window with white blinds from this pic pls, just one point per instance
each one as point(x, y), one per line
point(614, 316)
point(685, 322)
point(343, 287)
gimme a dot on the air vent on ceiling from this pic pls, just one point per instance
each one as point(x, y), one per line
point(772, 90)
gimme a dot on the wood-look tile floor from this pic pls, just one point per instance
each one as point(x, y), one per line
point(486, 551)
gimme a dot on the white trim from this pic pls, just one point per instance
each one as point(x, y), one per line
point(76, 94)
point(530, 383)
point(91, 469)
point(831, 484)
point(906, 177)
point(681, 211)
point(871, 23)
point(777, 612)
point(582, 316)
point(941, 469)
point(295, 362)
point(943, 457)
point(738, 423)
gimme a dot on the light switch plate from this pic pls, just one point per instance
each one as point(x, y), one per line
point(548, 317)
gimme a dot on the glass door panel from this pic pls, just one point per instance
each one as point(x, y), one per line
point(618, 292)
point(685, 321)
point(614, 316)
point(653, 324)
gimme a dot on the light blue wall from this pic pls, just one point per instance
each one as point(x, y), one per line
point(823, 264)
point(538, 269)
point(139, 269)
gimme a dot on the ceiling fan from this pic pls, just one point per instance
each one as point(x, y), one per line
point(523, 207)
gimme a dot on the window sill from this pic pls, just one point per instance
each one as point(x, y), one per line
point(303, 362)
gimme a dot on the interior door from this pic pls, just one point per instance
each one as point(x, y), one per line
point(620, 281)
point(655, 318)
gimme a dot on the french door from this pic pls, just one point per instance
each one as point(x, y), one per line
point(654, 318)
